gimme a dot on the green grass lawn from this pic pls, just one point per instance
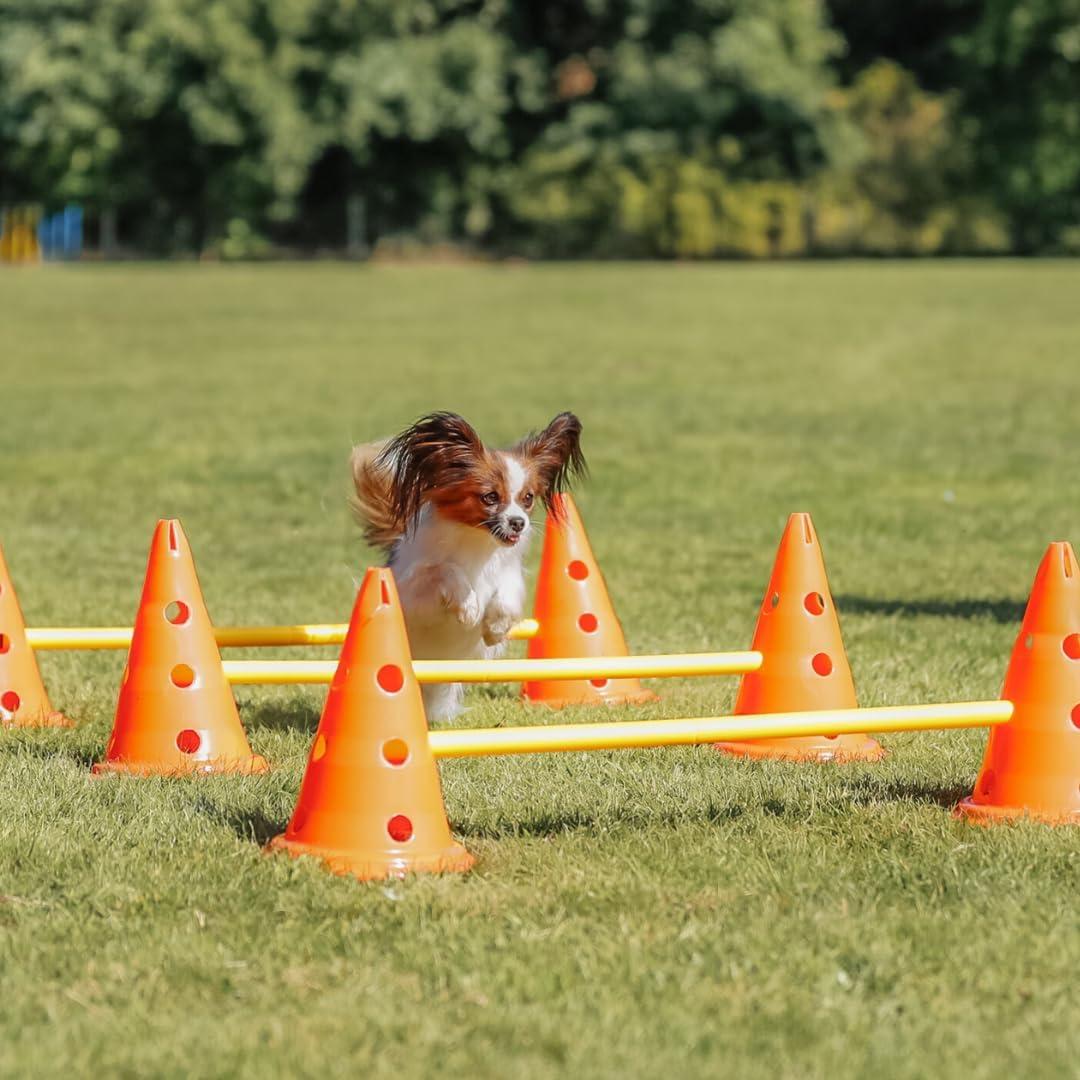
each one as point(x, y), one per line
point(631, 913)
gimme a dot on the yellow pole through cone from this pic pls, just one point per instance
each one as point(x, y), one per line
point(643, 734)
point(288, 672)
point(57, 638)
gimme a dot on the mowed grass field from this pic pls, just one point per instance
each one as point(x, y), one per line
point(631, 913)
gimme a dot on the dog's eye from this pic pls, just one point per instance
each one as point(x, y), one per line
point(490, 498)
point(527, 499)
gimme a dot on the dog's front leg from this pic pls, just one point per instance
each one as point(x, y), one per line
point(502, 611)
point(433, 590)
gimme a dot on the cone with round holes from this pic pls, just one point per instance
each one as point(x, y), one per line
point(370, 803)
point(176, 712)
point(805, 665)
point(23, 700)
point(576, 616)
point(1032, 764)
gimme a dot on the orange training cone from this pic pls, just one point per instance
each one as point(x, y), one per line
point(1032, 764)
point(23, 700)
point(176, 712)
point(576, 616)
point(370, 802)
point(805, 664)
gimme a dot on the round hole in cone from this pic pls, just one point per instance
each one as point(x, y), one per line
point(391, 678)
point(188, 741)
point(578, 570)
point(5, 643)
point(318, 748)
point(10, 702)
point(1071, 645)
point(1075, 716)
point(395, 751)
point(599, 683)
point(183, 675)
point(588, 622)
point(177, 612)
point(814, 603)
point(774, 601)
point(822, 664)
point(400, 828)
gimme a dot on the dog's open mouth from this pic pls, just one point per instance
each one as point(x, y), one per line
point(504, 537)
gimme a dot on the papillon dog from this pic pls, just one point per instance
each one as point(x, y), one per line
point(454, 517)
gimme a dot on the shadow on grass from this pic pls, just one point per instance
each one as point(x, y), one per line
point(870, 791)
point(249, 823)
point(544, 824)
point(294, 715)
point(51, 751)
point(252, 824)
point(863, 791)
point(999, 610)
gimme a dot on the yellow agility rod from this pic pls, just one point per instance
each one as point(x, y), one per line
point(288, 672)
point(641, 734)
point(119, 637)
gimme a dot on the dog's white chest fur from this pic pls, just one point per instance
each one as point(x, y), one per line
point(461, 591)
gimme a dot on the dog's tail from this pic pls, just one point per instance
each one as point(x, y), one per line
point(372, 503)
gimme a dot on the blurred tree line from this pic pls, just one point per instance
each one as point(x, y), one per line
point(569, 127)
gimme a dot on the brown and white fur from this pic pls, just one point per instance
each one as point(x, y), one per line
point(453, 516)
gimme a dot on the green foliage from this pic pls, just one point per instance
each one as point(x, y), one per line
point(241, 241)
point(902, 195)
point(1022, 90)
point(615, 127)
point(171, 107)
point(909, 140)
point(685, 124)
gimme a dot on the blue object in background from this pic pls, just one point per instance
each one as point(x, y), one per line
point(44, 236)
point(73, 231)
point(55, 246)
point(60, 235)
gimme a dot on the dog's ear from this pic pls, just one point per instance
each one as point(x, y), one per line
point(437, 450)
point(554, 456)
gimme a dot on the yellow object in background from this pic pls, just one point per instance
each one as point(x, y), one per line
point(18, 236)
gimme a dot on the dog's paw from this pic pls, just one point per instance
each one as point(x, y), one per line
point(497, 624)
point(495, 631)
point(462, 603)
point(468, 611)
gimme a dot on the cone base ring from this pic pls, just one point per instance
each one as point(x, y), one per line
point(870, 750)
point(631, 697)
point(985, 814)
point(52, 719)
point(217, 767)
point(453, 860)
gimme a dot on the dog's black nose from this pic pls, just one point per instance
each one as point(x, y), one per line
point(515, 524)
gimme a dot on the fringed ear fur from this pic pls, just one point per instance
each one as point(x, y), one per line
point(436, 450)
point(555, 456)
